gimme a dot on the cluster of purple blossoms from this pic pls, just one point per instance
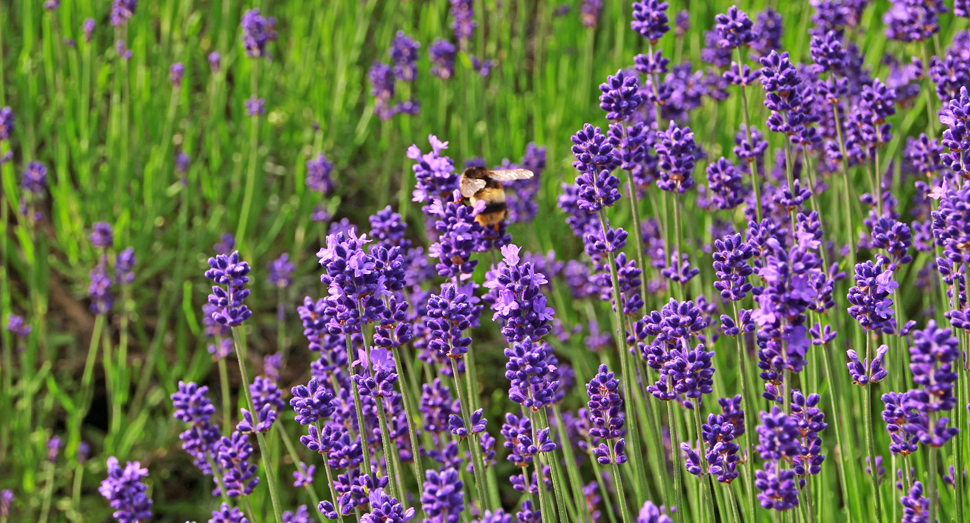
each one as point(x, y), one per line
point(442, 54)
point(532, 371)
point(122, 11)
point(827, 53)
point(869, 299)
point(676, 153)
point(255, 106)
point(176, 73)
point(357, 281)
point(779, 439)
point(459, 235)
point(318, 174)
point(18, 326)
point(448, 316)
point(515, 296)
point(443, 499)
point(239, 476)
point(734, 29)
point(732, 268)
point(281, 272)
point(725, 181)
point(590, 12)
point(231, 272)
point(950, 74)
point(312, 402)
point(6, 501)
point(386, 509)
point(720, 449)
point(621, 96)
point(464, 21)
point(956, 138)
point(34, 179)
point(810, 421)
point(404, 55)
point(257, 32)
point(863, 372)
point(435, 173)
point(125, 492)
point(606, 418)
point(913, 21)
point(784, 95)
point(6, 123)
point(916, 507)
point(867, 127)
point(595, 160)
point(201, 439)
point(650, 19)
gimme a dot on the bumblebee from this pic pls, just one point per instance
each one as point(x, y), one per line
point(481, 183)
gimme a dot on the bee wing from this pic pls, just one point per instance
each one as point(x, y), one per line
point(504, 175)
point(470, 186)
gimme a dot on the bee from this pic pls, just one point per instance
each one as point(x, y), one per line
point(481, 183)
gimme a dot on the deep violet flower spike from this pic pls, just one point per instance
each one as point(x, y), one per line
point(606, 418)
point(650, 513)
point(6, 123)
point(35, 178)
point(318, 171)
point(869, 299)
point(257, 32)
point(125, 492)
point(122, 11)
point(443, 499)
point(734, 29)
point(102, 236)
point(230, 275)
point(621, 96)
point(442, 54)
point(650, 19)
point(675, 150)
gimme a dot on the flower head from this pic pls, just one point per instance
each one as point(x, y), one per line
point(124, 490)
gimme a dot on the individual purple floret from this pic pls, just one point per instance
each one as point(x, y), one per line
point(318, 174)
point(176, 73)
point(231, 272)
point(734, 29)
point(621, 96)
point(864, 373)
point(255, 106)
point(125, 492)
point(869, 299)
point(443, 499)
point(442, 54)
point(122, 11)
point(606, 418)
point(6, 501)
point(916, 508)
point(35, 178)
point(257, 31)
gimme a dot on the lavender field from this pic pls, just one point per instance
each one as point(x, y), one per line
point(243, 279)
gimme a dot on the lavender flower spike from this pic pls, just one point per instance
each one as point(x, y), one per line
point(125, 491)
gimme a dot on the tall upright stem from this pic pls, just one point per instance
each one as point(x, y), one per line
point(749, 468)
point(251, 173)
point(240, 345)
point(752, 163)
point(867, 408)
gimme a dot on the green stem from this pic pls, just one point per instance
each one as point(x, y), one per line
point(707, 494)
point(291, 450)
point(240, 345)
point(483, 499)
point(412, 423)
point(752, 162)
point(867, 408)
point(620, 491)
point(251, 173)
point(224, 383)
point(749, 439)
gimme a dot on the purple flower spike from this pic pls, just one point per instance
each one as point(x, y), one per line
point(464, 21)
point(933, 357)
point(258, 31)
point(676, 153)
point(734, 29)
point(255, 106)
point(18, 326)
point(215, 61)
point(122, 11)
point(916, 508)
point(6, 123)
point(650, 513)
point(864, 373)
point(318, 174)
point(124, 490)
point(312, 402)
point(516, 297)
point(227, 514)
point(725, 181)
point(869, 300)
point(87, 27)
point(404, 55)
point(102, 237)
point(231, 272)
point(956, 138)
point(443, 499)
point(281, 272)
point(124, 267)
point(650, 19)
point(176, 73)
point(827, 53)
point(35, 178)
point(778, 490)
point(606, 418)
point(532, 370)
point(621, 96)
point(442, 54)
